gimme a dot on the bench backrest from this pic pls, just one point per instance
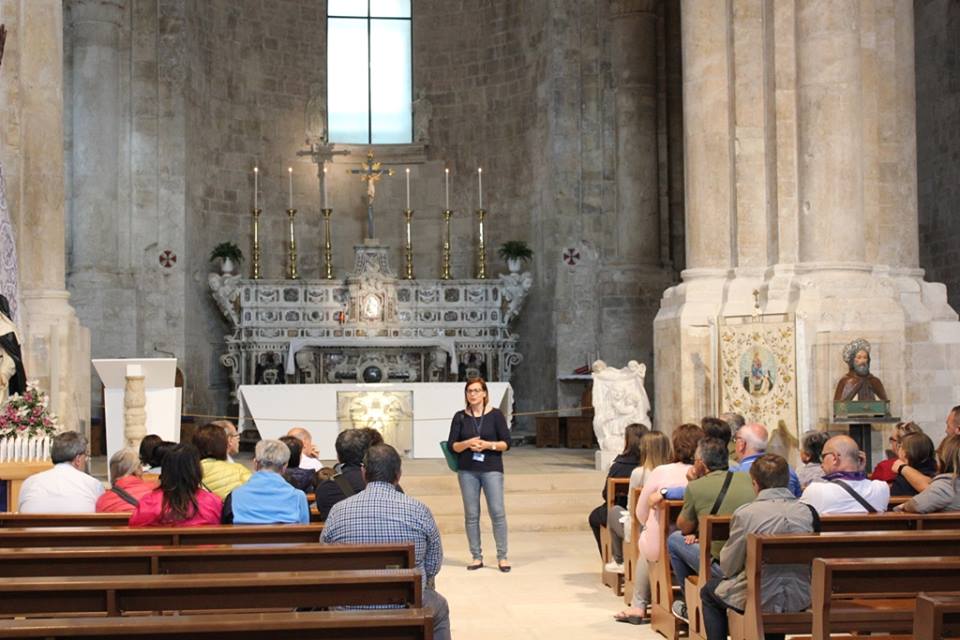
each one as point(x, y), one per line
point(13, 519)
point(937, 616)
point(616, 488)
point(164, 536)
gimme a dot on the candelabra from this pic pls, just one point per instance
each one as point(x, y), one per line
point(445, 266)
point(408, 245)
point(327, 245)
point(481, 248)
point(292, 254)
point(256, 243)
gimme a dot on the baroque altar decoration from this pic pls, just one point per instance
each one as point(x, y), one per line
point(758, 370)
point(27, 426)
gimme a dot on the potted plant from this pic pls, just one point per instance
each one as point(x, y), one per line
point(515, 253)
point(229, 254)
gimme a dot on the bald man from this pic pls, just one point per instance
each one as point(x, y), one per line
point(308, 458)
point(846, 488)
point(749, 443)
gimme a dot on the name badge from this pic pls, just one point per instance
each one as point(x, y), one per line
point(477, 456)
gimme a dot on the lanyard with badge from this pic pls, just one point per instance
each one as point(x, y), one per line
point(478, 424)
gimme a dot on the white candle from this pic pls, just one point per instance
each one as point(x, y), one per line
point(256, 183)
point(325, 188)
point(408, 187)
point(446, 182)
point(290, 173)
point(480, 186)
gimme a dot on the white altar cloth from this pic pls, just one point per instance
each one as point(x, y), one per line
point(447, 344)
point(275, 409)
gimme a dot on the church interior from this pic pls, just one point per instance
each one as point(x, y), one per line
point(613, 211)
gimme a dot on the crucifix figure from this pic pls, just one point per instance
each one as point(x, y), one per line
point(370, 172)
point(320, 153)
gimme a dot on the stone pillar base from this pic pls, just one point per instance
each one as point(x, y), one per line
point(914, 332)
point(57, 354)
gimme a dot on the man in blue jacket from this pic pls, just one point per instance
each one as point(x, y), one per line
point(267, 498)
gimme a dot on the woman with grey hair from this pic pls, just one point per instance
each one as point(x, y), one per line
point(127, 485)
point(266, 498)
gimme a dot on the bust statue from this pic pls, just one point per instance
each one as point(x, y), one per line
point(858, 384)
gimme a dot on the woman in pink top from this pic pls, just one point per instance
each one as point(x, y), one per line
point(179, 502)
point(685, 439)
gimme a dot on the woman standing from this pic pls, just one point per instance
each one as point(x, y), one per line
point(479, 436)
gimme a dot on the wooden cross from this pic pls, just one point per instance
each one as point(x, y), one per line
point(370, 172)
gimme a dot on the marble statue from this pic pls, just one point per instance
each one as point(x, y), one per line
point(422, 115)
point(858, 384)
point(226, 291)
point(516, 286)
point(619, 399)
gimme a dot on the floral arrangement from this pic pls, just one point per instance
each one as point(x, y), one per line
point(28, 415)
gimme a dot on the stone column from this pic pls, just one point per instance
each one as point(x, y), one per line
point(634, 26)
point(830, 133)
point(95, 26)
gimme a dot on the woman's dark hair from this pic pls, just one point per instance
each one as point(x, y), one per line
point(685, 440)
point(211, 441)
point(631, 440)
point(159, 451)
point(917, 447)
point(812, 444)
point(482, 383)
point(147, 445)
point(296, 448)
point(179, 481)
point(716, 428)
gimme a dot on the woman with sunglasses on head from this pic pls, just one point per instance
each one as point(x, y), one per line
point(478, 437)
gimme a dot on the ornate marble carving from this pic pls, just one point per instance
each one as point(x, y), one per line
point(619, 399)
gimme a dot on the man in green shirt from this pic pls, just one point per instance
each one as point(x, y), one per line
point(715, 491)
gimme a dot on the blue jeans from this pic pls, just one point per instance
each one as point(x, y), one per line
point(685, 560)
point(492, 484)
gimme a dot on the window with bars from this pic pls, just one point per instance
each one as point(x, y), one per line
point(369, 71)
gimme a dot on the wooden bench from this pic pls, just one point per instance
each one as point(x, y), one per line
point(163, 536)
point(662, 590)
point(631, 545)
point(764, 552)
point(14, 519)
point(616, 488)
point(113, 561)
point(116, 595)
point(403, 624)
point(936, 616)
point(874, 594)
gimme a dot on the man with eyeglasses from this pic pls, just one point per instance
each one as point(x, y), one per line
point(846, 488)
point(233, 438)
point(66, 488)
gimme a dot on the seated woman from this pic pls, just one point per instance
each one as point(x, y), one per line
point(179, 501)
point(943, 493)
point(810, 449)
point(303, 479)
point(127, 485)
point(147, 445)
point(916, 451)
point(219, 476)
point(621, 467)
point(884, 469)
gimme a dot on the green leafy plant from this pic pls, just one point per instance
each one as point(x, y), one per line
point(226, 250)
point(515, 250)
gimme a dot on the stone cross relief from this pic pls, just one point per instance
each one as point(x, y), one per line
point(370, 172)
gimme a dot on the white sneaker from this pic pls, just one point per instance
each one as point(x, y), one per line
point(613, 567)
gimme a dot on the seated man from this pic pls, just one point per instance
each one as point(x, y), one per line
point(749, 443)
point(266, 498)
point(308, 457)
point(303, 479)
point(127, 485)
point(775, 510)
point(845, 488)
point(66, 488)
point(233, 438)
point(714, 491)
point(381, 513)
point(351, 446)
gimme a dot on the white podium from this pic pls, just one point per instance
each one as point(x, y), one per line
point(163, 398)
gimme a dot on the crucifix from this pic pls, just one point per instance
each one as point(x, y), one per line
point(370, 172)
point(320, 154)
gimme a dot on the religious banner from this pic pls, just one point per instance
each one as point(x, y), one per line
point(758, 366)
point(8, 256)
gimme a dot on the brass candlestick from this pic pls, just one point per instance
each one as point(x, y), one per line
point(408, 245)
point(445, 266)
point(292, 255)
point(481, 248)
point(256, 243)
point(327, 245)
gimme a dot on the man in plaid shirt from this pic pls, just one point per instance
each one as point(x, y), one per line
point(380, 513)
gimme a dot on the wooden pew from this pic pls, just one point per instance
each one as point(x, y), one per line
point(631, 545)
point(662, 619)
point(402, 624)
point(877, 594)
point(116, 595)
point(164, 536)
point(937, 616)
point(766, 551)
point(616, 488)
point(13, 519)
point(113, 561)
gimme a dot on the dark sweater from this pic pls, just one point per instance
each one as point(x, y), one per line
point(329, 492)
point(491, 427)
point(621, 467)
point(901, 487)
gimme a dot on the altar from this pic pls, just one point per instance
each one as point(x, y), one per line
point(413, 417)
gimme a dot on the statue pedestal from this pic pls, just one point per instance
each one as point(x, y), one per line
point(603, 459)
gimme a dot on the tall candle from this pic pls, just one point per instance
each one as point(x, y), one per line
point(408, 187)
point(256, 185)
point(290, 173)
point(446, 183)
point(480, 186)
point(325, 188)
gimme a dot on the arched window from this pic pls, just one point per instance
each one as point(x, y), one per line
point(369, 71)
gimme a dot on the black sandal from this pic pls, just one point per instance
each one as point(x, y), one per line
point(477, 565)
